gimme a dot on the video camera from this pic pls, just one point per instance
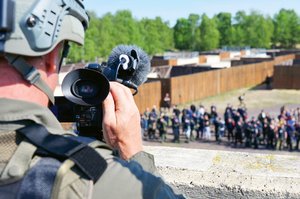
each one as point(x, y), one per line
point(85, 89)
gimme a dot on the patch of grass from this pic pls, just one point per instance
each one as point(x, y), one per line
point(254, 99)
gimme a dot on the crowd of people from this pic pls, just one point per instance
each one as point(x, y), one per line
point(195, 123)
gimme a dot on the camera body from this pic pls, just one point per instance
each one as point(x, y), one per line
point(84, 90)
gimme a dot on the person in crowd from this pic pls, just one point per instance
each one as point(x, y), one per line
point(271, 131)
point(230, 129)
point(281, 133)
point(220, 129)
point(213, 117)
point(243, 113)
point(241, 99)
point(194, 122)
point(186, 124)
point(143, 125)
point(248, 126)
point(167, 101)
point(257, 134)
point(152, 122)
point(176, 127)
point(283, 113)
point(236, 115)
point(239, 132)
point(162, 125)
point(228, 115)
point(145, 118)
point(176, 110)
point(268, 82)
point(200, 117)
point(207, 132)
point(297, 135)
point(297, 115)
point(262, 118)
point(290, 129)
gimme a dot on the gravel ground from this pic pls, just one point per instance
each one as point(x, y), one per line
point(207, 169)
point(201, 173)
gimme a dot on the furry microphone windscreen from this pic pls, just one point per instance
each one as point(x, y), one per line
point(143, 65)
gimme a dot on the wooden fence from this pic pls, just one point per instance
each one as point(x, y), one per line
point(195, 87)
point(149, 94)
point(286, 77)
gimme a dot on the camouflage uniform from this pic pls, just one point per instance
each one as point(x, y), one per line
point(136, 178)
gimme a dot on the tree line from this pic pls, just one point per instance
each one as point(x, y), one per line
point(195, 33)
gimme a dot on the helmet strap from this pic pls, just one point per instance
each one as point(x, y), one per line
point(30, 73)
point(64, 54)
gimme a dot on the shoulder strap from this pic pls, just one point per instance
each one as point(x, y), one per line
point(39, 180)
point(61, 147)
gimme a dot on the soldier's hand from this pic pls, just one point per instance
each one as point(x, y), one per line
point(121, 121)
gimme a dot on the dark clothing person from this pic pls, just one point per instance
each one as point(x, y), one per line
point(270, 137)
point(220, 129)
point(290, 129)
point(176, 128)
point(152, 122)
point(297, 136)
point(162, 128)
point(239, 133)
point(230, 127)
point(167, 101)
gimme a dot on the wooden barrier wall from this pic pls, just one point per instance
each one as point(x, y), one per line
point(195, 87)
point(149, 94)
point(198, 86)
point(286, 77)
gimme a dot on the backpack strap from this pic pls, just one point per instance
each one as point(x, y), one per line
point(85, 157)
point(19, 163)
point(38, 181)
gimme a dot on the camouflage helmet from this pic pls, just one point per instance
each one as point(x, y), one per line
point(35, 27)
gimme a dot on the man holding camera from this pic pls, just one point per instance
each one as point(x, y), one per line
point(33, 163)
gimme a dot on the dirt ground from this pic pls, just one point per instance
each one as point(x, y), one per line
point(256, 99)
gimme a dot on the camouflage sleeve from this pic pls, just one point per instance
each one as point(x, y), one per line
point(146, 160)
point(136, 178)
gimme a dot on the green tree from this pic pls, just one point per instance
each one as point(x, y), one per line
point(194, 34)
point(259, 30)
point(252, 30)
point(156, 35)
point(181, 32)
point(106, 35)
point(239, 26)
point(209, 34)
point(225, 28)
point(286, 28)
point(166, 35)
point(186, 34)
point(125, 29)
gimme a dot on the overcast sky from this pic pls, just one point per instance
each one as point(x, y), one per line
point(171, 10)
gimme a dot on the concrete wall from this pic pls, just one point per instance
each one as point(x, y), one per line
point(221, 174)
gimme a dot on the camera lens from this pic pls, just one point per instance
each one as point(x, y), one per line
point(85, 89)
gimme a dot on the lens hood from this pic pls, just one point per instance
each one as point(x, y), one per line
point(85, 87)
